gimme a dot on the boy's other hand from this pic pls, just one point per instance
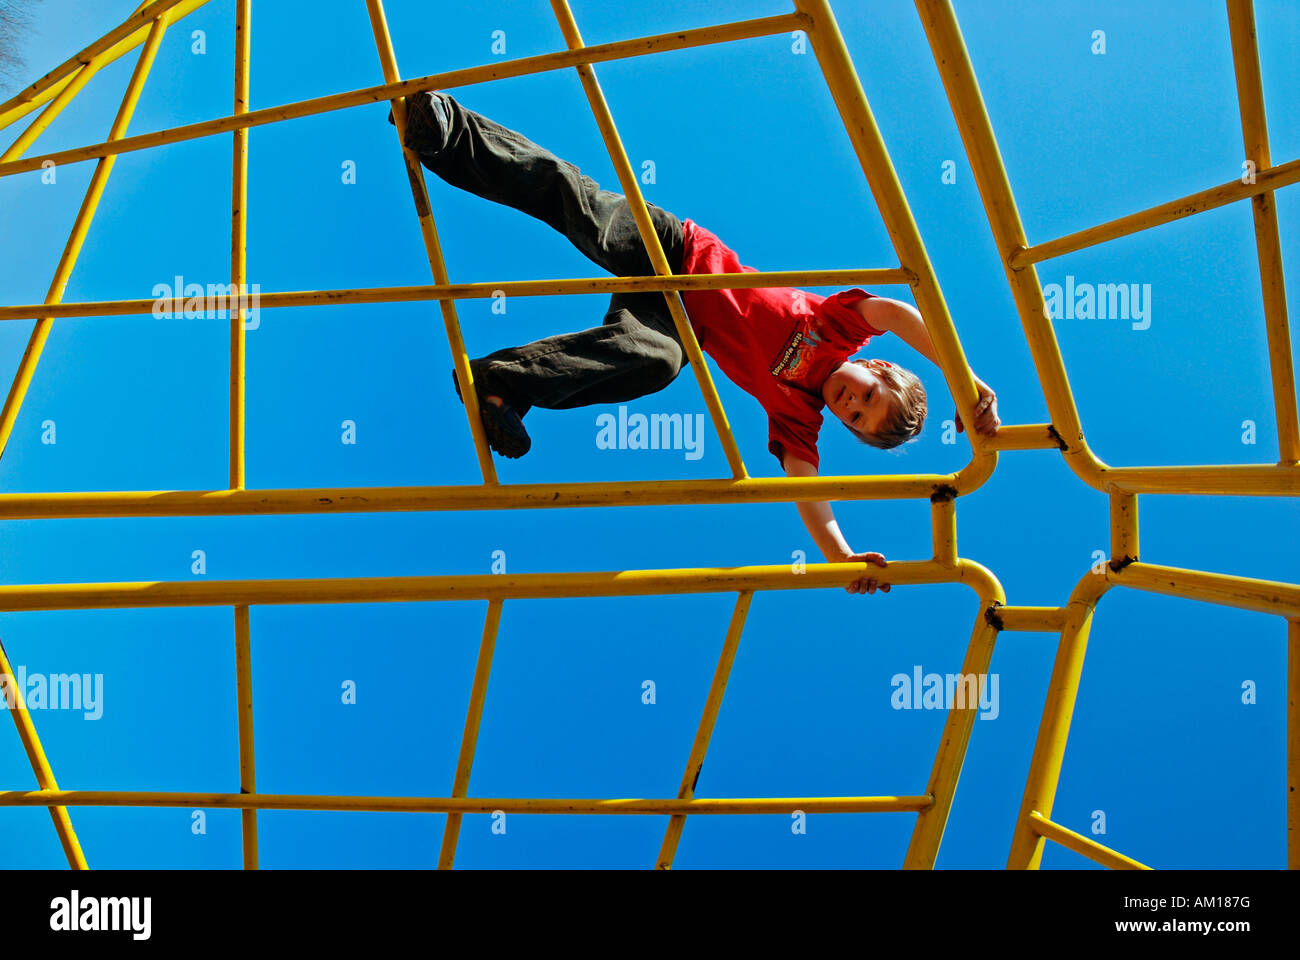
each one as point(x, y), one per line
point(866, 584)
point(986, 411)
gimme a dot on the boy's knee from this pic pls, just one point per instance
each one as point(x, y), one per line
point(668, 360)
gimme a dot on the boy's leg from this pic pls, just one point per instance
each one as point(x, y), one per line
point(635, 352)
point(475, 153)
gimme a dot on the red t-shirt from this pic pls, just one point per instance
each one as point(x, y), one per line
point(776, 343)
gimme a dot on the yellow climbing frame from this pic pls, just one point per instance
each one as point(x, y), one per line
point(146, 27)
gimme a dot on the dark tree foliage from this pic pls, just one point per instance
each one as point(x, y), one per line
point(15, 24)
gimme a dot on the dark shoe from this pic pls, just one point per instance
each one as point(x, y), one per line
point(503, 427)
point(427, 121)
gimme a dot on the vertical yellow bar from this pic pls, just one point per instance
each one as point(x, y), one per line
point(927, 834)
point(432, 246)
point(244, 694)
point(1293, 745)
point(704, 733)
point(873, 156)
point(953, 61)
point(1123, 526)
point(40, 765)
point(1268, 245)
point(1053, 732)
point(469, 739)
point(943, 529)
point(239, 244)
point(654, 248)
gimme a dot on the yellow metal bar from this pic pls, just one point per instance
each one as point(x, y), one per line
point(24, 103)
point(943, 528)
point(19, 110)
point(432, 247)
point(40, 765)
point(927, 834)
point(1254, 131)
point(873, 156)
point(1049, 749)
point(1029, 619)
point(645, 493)
point(1247, 593)
point(247, 767)
point(469, 739)
point(75, 85)
point(704, 732)
point(239, 242)
point(65, 89)
point(85, 215)
point(1123, 527)
point(1054, 728)
point(1082, 845)
point(512, 288)
point(649, 236)
point(463, 805)
point(1267, 180)
point(1293, 744)
point(990, 175)
point(623, 49)
point(1237, 480)
point(134, 25)
point(1024, 436)
point(614, 583)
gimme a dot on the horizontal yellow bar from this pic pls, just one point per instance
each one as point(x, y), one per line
point(1229, 480)
point(621, 583)
point(221, 300)
point(1082, 845)
point(1258, 480)
point(1264, 596)
point(1024, 436)
point(1225, 193)
point(623, 49)
point(1028, 619)
point(463, 805)
point(201, 503)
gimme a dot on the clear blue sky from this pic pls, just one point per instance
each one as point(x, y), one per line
point(746, 141)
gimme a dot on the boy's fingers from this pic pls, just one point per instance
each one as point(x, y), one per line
point(866, 586)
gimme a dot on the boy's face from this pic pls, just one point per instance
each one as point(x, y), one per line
point(858, 396)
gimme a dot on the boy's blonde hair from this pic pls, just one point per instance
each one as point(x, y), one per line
point(907, 415)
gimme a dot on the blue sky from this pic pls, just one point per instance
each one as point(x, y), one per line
point(747, 142)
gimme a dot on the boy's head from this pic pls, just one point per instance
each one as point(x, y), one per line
point(882, 404)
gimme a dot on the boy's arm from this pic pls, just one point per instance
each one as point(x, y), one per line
point(904, 321)
point(820, 520)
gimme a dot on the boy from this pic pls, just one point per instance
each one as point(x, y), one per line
point(788, 348)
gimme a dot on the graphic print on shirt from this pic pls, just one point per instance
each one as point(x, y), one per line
point(798, 350)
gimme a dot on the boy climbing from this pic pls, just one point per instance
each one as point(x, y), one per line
point(790, 349)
